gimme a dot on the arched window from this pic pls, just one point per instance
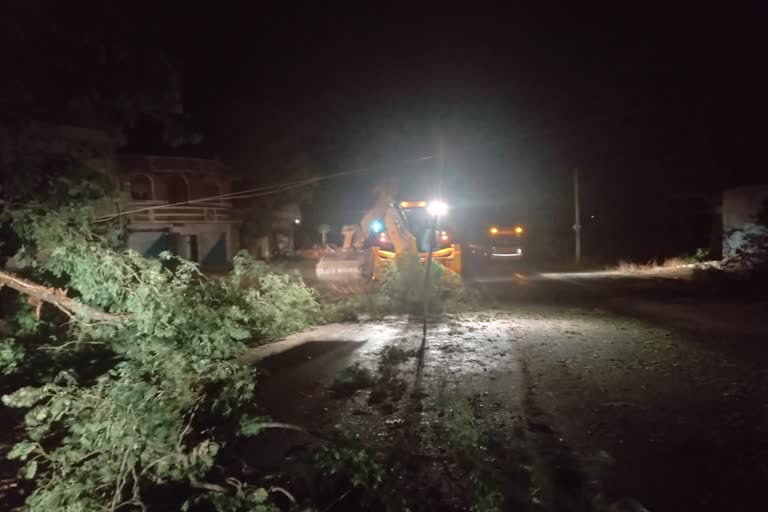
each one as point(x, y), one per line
point(178, 189)
point(141, 187)
point(208, 188)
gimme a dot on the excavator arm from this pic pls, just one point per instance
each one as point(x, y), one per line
point(401, 237)
point(383, 209)
point(355, 263)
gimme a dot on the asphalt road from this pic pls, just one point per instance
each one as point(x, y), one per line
point(654, 392)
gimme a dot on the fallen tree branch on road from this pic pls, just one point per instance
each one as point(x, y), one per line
point(38, 294)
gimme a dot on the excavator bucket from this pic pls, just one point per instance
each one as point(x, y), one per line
point(348, 272)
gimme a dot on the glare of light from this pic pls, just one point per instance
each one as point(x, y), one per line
point(297, 221)
point(413, 204)
point(519, 230)
point(377, 226)
point(494, 230)
point(383, 237)
point(437, 208)
point(444, 236)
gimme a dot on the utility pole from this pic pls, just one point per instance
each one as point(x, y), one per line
point(577, 216)
point(428, 278)
point(432, 242)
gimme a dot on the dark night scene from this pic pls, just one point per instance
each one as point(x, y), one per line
point(387, 257)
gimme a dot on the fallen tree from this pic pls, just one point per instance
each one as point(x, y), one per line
point(39, 294)
point(162, 394)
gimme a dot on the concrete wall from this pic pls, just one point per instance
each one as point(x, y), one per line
point(741, 208)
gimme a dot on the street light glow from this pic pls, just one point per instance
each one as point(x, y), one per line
point(437, 208)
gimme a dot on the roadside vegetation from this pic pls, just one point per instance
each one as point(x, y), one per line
point(750, 258)
point(403, 292)
point(742, 274)
point(699, 258)
point(121, 368)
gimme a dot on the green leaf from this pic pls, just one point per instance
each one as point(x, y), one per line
point(260, 495)
point(22, 450)
point(30, 470)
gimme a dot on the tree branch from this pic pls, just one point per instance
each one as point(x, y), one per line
point(197, 484)
point(285, 426)
point(58, 297)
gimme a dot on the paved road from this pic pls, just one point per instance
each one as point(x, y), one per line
point(649, 394)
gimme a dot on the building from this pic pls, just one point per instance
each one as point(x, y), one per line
point(175, 204)
point(270, 229)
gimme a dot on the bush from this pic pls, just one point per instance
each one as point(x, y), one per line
point(700, 255)
point(351, 379)
point(749, 246)
point(403, 290)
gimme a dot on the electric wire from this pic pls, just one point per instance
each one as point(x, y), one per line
point(282, 187)
point(260, 191)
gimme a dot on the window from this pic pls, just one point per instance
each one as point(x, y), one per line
point(208, 188)
point(178, 189)
point(141, 187)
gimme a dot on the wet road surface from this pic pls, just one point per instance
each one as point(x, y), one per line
point(668, 413)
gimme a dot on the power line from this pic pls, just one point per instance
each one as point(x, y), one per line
point(262, 191)
point(233, 195)
point(282, 187)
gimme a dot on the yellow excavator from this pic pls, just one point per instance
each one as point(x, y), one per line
point(359, 261)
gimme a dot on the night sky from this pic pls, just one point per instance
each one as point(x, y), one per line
point(659, 107)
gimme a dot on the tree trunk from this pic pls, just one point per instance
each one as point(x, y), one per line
point(38, 294)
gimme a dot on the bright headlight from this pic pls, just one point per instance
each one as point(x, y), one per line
point(437, 208)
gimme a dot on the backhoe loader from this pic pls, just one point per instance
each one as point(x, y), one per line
point(360, 261)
